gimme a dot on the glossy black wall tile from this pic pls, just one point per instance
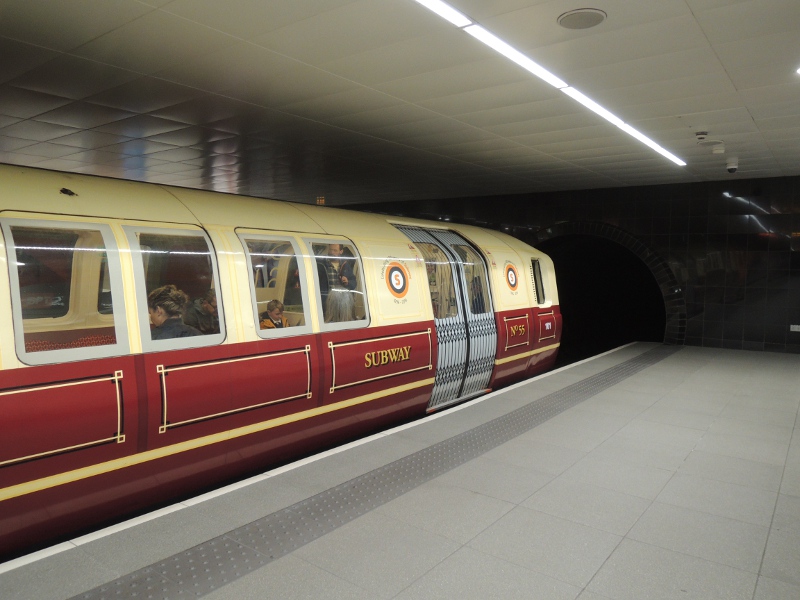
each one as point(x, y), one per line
point(733, 248)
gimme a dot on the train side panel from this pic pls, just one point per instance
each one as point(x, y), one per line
point(100, 419)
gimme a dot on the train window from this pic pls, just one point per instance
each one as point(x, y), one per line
point(176, 279)
point(340, 284)
point(538, 288)
point(277, 286)
point(66, 284)
point(440, 281)
point(475, 276)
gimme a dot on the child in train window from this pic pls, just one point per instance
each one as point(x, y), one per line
point(273, 318)
point(276, 284)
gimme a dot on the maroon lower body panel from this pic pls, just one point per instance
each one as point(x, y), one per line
point(189, 420)
point(522, 336)
point(85, 443)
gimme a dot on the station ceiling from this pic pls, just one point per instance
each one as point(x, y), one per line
point(377, 100)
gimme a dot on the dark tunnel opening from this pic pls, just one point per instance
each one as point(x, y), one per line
point(608, 296)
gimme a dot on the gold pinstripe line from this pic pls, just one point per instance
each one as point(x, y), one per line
point(44, 483)
point(508, 359)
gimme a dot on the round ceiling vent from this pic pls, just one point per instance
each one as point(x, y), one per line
point(582, 18)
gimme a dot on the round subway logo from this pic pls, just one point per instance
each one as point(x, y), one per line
point(397, 279)
point(512, 278)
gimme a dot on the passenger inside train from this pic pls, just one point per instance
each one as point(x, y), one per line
point(339, 306)
point(201, 313)
point(273, 318)
point(341, 291)
point(339, 268)
point(166, 305)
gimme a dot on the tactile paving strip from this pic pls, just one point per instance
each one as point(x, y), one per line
point(219, 561)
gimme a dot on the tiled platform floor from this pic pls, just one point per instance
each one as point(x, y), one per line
point(682, 481)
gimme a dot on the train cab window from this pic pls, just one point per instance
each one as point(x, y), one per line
point(440, 280)
point(340, 284)
point(538, 288)
point(177, 283)
point(476, 278)
point(277, 286)
point(66, 291)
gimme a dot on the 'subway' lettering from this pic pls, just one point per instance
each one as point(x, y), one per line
point(385, 357)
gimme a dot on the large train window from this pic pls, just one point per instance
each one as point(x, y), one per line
point(277, 285)
point(176, 282)
point(66, 290)
point(340, 284)
point(440, 280)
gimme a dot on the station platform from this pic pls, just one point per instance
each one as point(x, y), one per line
point(648, 472)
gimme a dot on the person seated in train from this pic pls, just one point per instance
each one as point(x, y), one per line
point(340, 306)
point(339, 269)
point(165, 305)
point(273, 318)
point(202, 313)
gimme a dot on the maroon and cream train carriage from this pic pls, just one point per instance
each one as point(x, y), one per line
point(386, 319)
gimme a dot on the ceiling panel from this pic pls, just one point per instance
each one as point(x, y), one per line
point(19, 58)
point(329, 35)
point(743, 20)
point(369, 100)
point(245, 18)
point(159, 39)
point(63, 25)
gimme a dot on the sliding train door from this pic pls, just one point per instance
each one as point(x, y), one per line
point(463, 314)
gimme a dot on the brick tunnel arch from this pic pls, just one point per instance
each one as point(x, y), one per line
point(671, 290)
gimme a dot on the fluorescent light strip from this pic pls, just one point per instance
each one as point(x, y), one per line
point(449, 13)
point(648, 142)
point(615, 120)
point(495, 43)
point(593, 106)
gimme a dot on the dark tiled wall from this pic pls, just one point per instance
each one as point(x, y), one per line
point(733, 247)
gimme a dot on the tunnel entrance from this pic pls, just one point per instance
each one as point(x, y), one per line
point(608, 296)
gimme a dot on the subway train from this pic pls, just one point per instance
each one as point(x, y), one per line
point(157, 341)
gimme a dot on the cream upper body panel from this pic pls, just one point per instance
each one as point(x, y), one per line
point(245, 211)
point(391, 267)
point(34, 190)
point(547, 268)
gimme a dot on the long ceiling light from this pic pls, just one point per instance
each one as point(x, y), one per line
point(495, 43)
point(458, 19)
point(446, 11)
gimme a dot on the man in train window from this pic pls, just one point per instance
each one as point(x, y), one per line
point(202, 313)
point(339, 268)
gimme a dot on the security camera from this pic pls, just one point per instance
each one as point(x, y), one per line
point(733, 165)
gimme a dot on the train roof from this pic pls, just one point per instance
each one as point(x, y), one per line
point(40, 191)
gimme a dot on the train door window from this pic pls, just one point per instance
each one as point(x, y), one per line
point(277, 285)
point(66, 289)
point(440, 280)
point(536, 277)
point(340, 284)
point(476, 278)
point(177, 283)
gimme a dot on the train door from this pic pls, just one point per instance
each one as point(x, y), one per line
point(463, 314)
